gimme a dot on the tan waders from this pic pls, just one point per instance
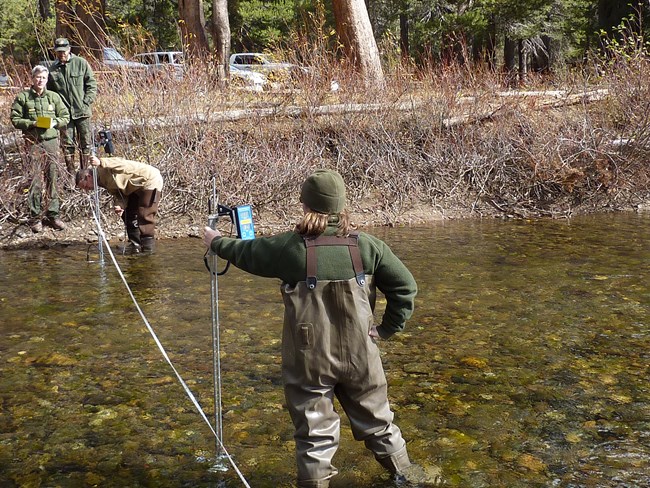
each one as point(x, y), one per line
point(327, 352)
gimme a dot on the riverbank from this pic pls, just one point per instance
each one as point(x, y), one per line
point(84, 230)
point(412, 154)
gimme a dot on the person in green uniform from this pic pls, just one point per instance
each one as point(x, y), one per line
point(137, 188)
point(39, 114)
point(329, 275)
point(72, 77)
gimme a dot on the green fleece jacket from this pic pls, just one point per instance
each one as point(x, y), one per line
point(28, 106)
point(75, 82)
point(284, 256)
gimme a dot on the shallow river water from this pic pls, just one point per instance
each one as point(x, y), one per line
point(526, 363)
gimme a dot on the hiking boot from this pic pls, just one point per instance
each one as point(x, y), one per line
point(416, 476)
point(148, 244)
point(55, 222)
point(36, 226)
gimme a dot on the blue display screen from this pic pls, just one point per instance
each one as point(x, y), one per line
point(245, 227)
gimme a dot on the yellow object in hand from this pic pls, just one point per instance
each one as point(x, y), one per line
point(44, 122)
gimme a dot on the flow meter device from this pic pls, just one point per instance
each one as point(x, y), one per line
point(241, 217)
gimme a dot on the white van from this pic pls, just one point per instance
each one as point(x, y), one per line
point(159, 62)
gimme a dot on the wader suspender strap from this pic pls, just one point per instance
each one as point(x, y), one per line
point(352, 241)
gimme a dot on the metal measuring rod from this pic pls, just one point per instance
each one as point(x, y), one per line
point(216, 345)
point(242, 218)
point(98, 214)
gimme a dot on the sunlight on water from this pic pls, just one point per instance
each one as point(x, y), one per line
point(526, 363)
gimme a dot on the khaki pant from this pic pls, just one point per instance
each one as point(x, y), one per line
point(327, 352)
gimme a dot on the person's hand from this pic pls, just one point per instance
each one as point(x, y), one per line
point(118, 210)
point(209, 235)
point(94, 160)
point(373, 332)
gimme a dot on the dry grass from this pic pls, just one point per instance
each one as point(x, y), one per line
point(507, 155)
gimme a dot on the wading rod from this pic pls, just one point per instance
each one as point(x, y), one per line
point(100, 245)
point(216, 343)
point(93, 152)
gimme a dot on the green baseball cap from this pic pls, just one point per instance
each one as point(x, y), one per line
point(61, 44)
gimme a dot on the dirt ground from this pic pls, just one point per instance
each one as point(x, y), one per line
point(80, 231)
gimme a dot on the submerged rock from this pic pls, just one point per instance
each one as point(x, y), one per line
point(52, 359)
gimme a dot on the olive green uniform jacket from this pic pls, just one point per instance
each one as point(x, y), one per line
point(28, 106)
point(284, 256)
point(75, 82)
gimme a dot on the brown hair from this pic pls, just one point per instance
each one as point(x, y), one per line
point(314, 223)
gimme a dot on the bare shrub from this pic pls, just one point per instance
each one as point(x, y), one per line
point(443, 139)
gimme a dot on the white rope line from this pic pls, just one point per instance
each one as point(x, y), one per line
point(189, 393)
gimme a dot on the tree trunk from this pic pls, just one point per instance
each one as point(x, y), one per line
point(509, 60)
point(523, 62)
point(44, 9)
point(355, 33)
point(491, 48)
point(221, 37)
point(541, 59)
point(91, 22)
point(192, 25)
point(404, 33)
point(83, 23)
point(66, 20)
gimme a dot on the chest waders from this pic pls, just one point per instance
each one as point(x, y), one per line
point(140, 217)
point(327, 352)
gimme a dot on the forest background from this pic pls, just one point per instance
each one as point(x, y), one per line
point(420, 30)
point(521, 108)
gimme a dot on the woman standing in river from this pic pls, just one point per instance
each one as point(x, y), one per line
point(329, 275)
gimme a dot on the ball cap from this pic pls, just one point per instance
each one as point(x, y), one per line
point(61, 44)
point(324, 192)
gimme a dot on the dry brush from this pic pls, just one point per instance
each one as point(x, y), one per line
point(442, 141)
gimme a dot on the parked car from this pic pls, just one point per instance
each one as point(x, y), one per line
point(5, 81)
point(265, 63)
point(159, 62)
point(257, 81)
point(162, 62)
point(112, 58)
point(108, 58)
